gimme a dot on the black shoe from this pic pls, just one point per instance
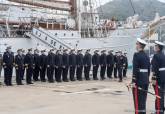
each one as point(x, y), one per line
point(43, 80)
point(51, 81)
point(66, 80)
point(10, 84)
point(72, 80)
point(95, 79)
point(103, 78)
point(59, 81)
point(20, 84)
point(88, 79)
point(120, 81)
point(109, 77)
point(36, 80)
point(79, 79)
point(29, 83)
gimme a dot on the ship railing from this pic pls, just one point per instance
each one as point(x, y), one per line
point(14, 33)
point(54, 40)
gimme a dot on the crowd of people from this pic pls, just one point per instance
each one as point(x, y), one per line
point(62, 65)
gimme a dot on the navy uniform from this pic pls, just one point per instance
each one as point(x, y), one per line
point(8, 63)
point(140, 79)
point(23, 70)
point(72, 65)
point(29, 63)
point(125, 65)
point(103, 64)
point(79, 60)
point(110, 64)
point(120, 62)
point(87, 64)
point(1, 63)
point(58, 65)
point(115, 64)
point(95, 63)
point(43, 65)
point(19, 66)
point(37, 65)
point(50, 66)
point(158, 67)
point(65, 58)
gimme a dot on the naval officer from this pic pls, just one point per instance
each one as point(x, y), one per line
point(8, 63)
point(37, 65)
point(158, 79)
point(43, 65)
point(50, 66)
point(29, 64)
point(140, 79)
point(72, 64)
point(95, 63)
point(103, 64)
point(87, 64)
point(19, 66)
point(110, 63)
point(79, 60)
point(65, 58)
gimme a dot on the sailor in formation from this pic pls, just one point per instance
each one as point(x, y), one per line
point(8, 64)
point(59, 65)
point(29, 65)
point(65, 59)
point(87, 64)
point(110, 63)
point(140, 79)
point(158, 78)
point(1, 61)
point(125, 65)
point(43, 65)
point(72, 65)
point(37, 65)
point(80, 62)
point(96, 64)
point(19, 66)
point(103, 64)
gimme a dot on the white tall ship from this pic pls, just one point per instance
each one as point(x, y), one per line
point(61, 24)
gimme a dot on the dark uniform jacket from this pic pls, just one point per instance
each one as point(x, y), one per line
point(110, 59)
point(96, 59)
point(51, 59)
point(158, 64)
point(87, 59)
point(43, 60)
point(65, 58)
point(36, 59)
point(115, 60)
point(72, 60)
point(79, 60)
point(29, 60)
point(1, 61)
point(141, 63)
point(125, 62)
point(120, 61)
point(19, 61)
point(103, 59)
point(8, 59)
point(59, 60)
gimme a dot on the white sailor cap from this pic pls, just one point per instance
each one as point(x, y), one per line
point(159, 43)
point(141, 41)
